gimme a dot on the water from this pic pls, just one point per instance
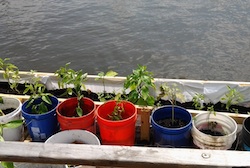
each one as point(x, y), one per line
point(193, 39)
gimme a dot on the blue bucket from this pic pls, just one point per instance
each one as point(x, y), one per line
point(41, 126)
point(171, 137)
point(245, 135)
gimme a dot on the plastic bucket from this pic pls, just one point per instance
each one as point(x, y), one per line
point(66, 112)
point(120, 132)
point(71, 136)
point(74, 136)
point(11, 134)
point(246, 134)
point(171, 137)
point(41, 126)
point(206, 141)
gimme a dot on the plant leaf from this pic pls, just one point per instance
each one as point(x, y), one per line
point(7, 164)
point(13, 124)
point(79, 111)
point(111, 73)
point(46, 99)
point(1, 139)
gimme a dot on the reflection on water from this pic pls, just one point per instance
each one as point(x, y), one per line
point(193, 39)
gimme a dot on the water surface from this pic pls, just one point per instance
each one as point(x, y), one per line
point(194, 39)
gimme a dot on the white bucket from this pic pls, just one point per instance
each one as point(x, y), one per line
point(11, 134)
point(205, 141)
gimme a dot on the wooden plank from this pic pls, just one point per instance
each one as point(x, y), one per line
point(145, 123)
point(119, 156)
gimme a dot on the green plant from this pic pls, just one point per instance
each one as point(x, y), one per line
point(69, 77)
point(103, 96)
point(198, 101)
point(232, 97)
point(172, 93)
point(37, 91)
point(11, 124)
point(139, 83)
point(11, 73)
point(116, 114)
point(1, 102)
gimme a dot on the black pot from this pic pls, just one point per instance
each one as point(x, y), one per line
point(246, 134)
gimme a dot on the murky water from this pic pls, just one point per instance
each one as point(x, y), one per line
point(194, 39)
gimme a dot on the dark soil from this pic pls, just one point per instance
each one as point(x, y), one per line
point(5, 88)
point(77, 142)
point(7, 111)
point(212, 132)
point(177, 123)
point(220, 107)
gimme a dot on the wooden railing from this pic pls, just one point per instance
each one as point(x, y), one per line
point(120, 156)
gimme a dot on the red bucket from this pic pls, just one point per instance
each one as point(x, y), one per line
point(120, 132)
point(66, 115)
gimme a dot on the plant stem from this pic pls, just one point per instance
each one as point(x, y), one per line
point(172, 114)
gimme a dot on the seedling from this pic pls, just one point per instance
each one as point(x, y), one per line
point(68, 77)
point(232, 97)
point(37, 91)
point(116, 114)
point(139, 83)
point(198, 101)
point(211, 129)
point(101, 76)
point(11, 73)
point(172, 93)
point(11, 124)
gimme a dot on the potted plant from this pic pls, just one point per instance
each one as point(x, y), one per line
point(212, 130)
point(10, 110)
point(39, 111)
point(11, 73)
point(116, 120)
point(103, 96)
point(171, 124)
point(9, 125)
point(232, 97)
point(10, 107)
point(139, 84)
point(77, 112)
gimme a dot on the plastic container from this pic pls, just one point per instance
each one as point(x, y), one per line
point(77, 136)
point(246, 134)
point(206, 141)
point(11, 134)
point(171, 137)
point(120, 132)
point(66, 112)
point(41, 126)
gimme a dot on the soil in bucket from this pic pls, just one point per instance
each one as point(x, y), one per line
point(177, 123)
point(212, 128)
point(7, 111)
